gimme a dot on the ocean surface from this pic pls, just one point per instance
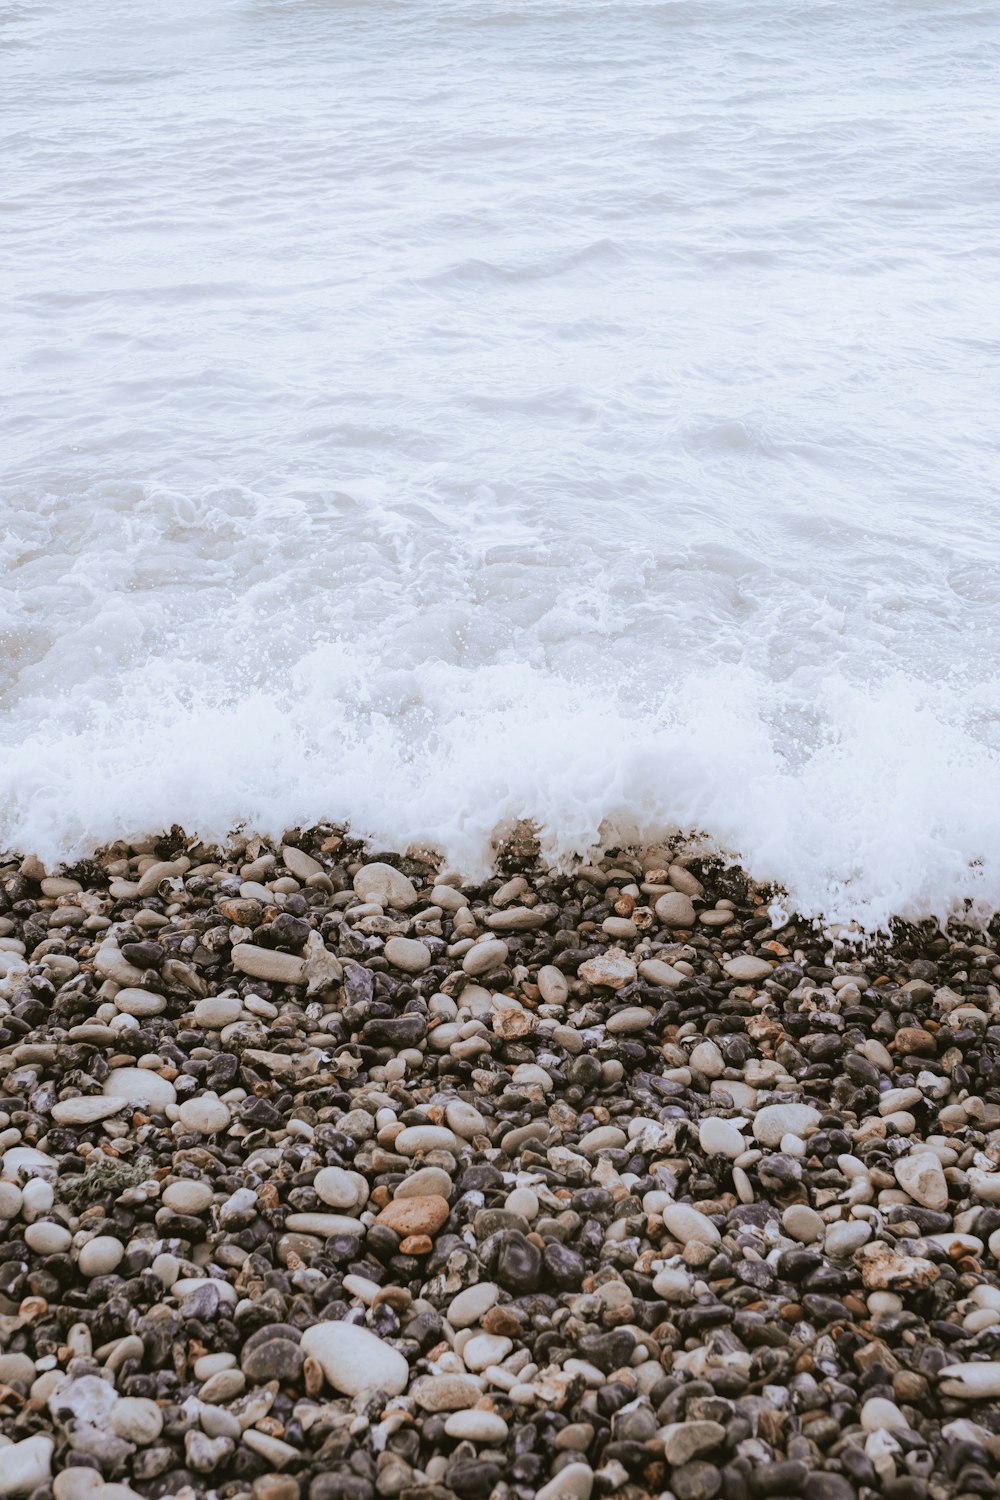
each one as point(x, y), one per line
point(439, 412)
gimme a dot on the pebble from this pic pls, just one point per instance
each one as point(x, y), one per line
point(101, 1255)
point(747, 969)
point(775, 1121)
point(140, 1087)
point(922, 1177)
point(26, 1466)
point(337, 1226)
point(206, 1114)
point(476, 1427)
point(687, 1225)
point(355, 1360)
point(386, 885)
point(408, 954)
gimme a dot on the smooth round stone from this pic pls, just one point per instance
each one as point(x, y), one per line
point(574, 1482)
point(46, 1238)
point(878, 1414)
point(484, 956)
point(485, 1349)
point(921, 1175)
point(187, 1196)
point(629, 1021)
point(552, 985)
point(803, 1223)
point(464, 1119)
point(473, 1304)
point(747, 969)
point(27, 1161)
point(476, 1427)
point(675, 909)
point(86, 1110)
point(206, 1114)
point(661, 974)
point(689, 1226)
point(37, 1197)
point(134, 1002)
point(140, 1087)
point(386, 885)
point(217, 1011)
point(721, 1138)
point(355, 1360)
point(843, 1239)
point(602, 1138)
point(407, 954)
point(10, 1200)
point(417, 1140)
point(426, 1182)
point(335, 1187)
point(25, 1466)
point(777, 1120)
point(100, 1256)
point(522, 1201)
point(137, 1419)
point(707, 1060)
point(415, 1215)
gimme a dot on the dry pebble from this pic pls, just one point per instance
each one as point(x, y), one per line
point(324, 1176)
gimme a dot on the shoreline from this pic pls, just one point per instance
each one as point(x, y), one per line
point(326, 1177)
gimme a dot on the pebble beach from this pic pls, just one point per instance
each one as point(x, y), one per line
point(326, 1176)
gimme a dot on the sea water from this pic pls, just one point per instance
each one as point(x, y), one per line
point(433, 413)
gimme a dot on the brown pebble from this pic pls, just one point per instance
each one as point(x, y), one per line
point(416, 1244)
point(502, 1321)
point(312, 1374)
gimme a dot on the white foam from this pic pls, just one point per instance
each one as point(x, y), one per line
point(436, 415)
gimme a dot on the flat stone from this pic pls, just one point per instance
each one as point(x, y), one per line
point(386, 885)
point(664, 976)
point(464, 1119)
point(602, 1138)
point(611, 970)
point(521, 918)
point(445, 1392)
point(476, 1427)
point(269, 964)
point(707, 1060)
point(187, 1196)
point(408, 955)
point(324, 1225)
point(630, 1021)
point(336, 1187)
point(86, 1110)
point(426, 1182)
point(140, 1003)
point(747, 969)
point(683, 1441)
point(473, 1304)
point(803, 1223)
point(485, 1349)
point(300, 864)
point(921, 1175)
point(976, 1381)
point(777, 1120)
point(843, 1239)
point(574, 1482)
point(140, 1087)
point(489, 954)
point(689, 1226)
point(417, 1140)
point(720, 1138)
point(878, 1414)
point(552, 985)
point(417, 1215)
point(26, 1466)
point(355, 1360)
point(217, 1011)
point(205, 1114)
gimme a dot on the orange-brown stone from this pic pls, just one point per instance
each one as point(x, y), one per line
point(421, 1215)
